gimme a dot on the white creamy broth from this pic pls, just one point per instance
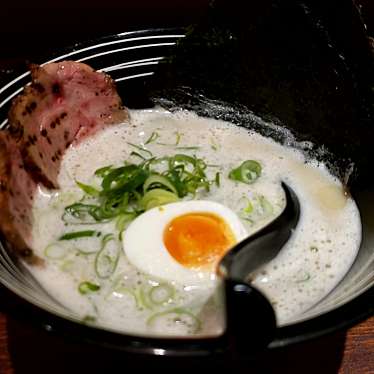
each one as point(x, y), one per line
point(320, 252)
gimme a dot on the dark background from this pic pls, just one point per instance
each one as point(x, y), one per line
point(35, 28)
point(31, 28)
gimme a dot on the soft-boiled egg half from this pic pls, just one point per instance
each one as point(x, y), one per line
point(184, 241)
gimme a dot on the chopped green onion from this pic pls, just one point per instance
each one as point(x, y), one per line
point(56, 251)
point(306, 276)
point(249, 208)
point(118, 176)
point(115, 187)
point(89, 190)
point(178, 138)
point(67, 266)
point(87, 287)
point(87, 250)
point(267, 208)
point(107, 258)
point(89, 245)
point(79, 234)
point(152, 138)
point(139, 148)
point(88, 319)
point(161, 293)
point(187, 174)
point(213, 145)
point(250, 220)
point(160, 181)
point(144, 299)
point(217, 179)
point(80, 213)
point(131, 189)
point(133, 153)
point(188, 148)
point(111, 206)
point(122, 221)
point(125, 290)
point(175, 175)
point(181, 159)
point(102, 172)
point(153, 161)
point(157, 197)
point(248, 172)
point(177, 315)
point(200, 165)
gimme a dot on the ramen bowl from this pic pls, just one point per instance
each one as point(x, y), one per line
point(186, 79)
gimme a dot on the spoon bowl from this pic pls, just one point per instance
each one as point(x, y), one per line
point(260, 248)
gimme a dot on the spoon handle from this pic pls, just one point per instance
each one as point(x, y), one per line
point(250, 318)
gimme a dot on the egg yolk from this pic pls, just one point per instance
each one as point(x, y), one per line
point(198, 239)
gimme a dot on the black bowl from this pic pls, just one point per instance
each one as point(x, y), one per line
point(133, 59)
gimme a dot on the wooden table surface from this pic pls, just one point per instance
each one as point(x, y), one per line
point(26, 349)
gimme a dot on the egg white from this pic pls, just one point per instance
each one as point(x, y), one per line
point(144, 245)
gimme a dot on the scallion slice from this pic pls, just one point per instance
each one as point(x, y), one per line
point(144, 299)
point(304, 277)
point(248, 172)
point(107, 258)
point(161, 293)
point(88, 319)
point(125, 290)
point(87, 287)
point(192, 148)
point(177, 316)
point(157, 197)
point(80, 213)
point(266, 207)
point(218, 179)
point(89, 245)
point(133, 153)
point(152, 138)
point(123, 220)
point(142, 149)
point(248, 209)
point(79, 234)
point(102, 172)
point(158, 181)
point(117, 177)
point(89, 190)
point(177, 140)
point(178, 137)
point(56, 251)
point(182, 159)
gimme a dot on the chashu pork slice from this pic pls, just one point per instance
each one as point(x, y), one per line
point(66, 102)
point(16, 197)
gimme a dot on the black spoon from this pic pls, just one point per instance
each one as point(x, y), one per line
point(250, 318)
